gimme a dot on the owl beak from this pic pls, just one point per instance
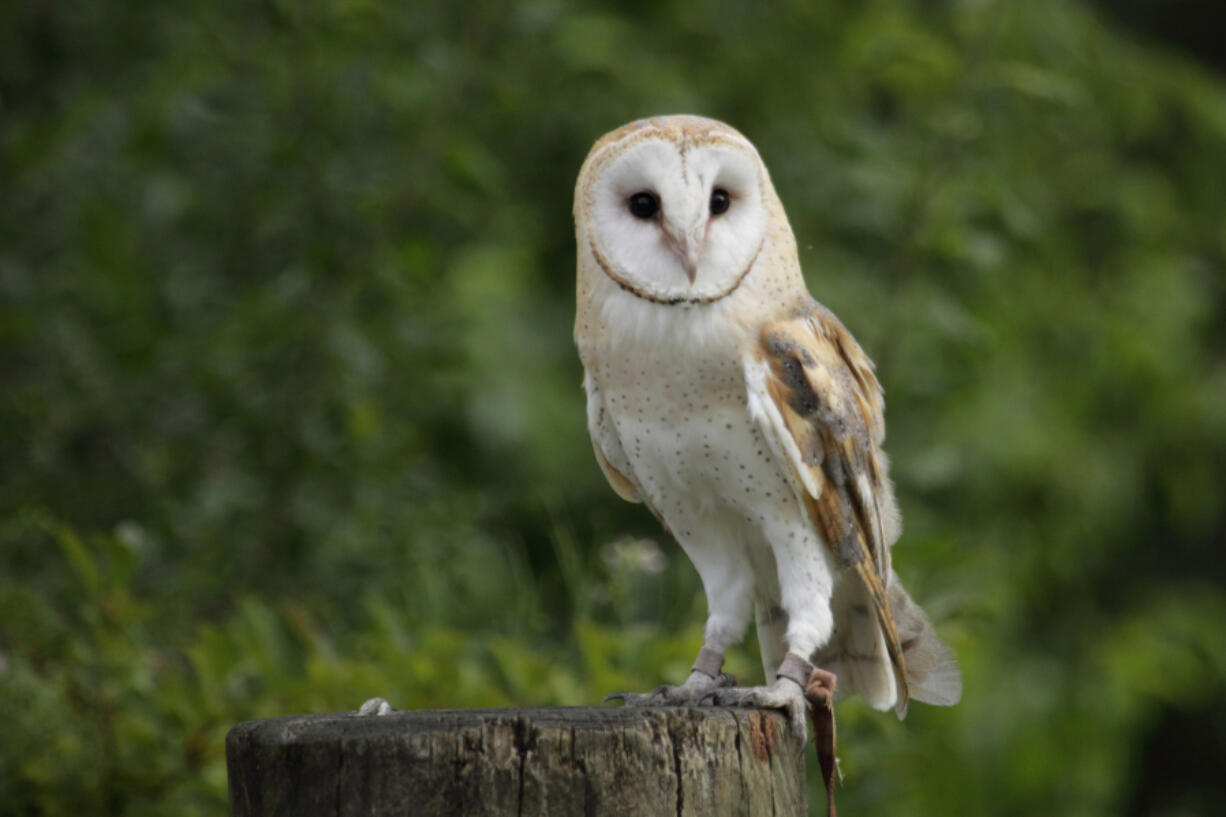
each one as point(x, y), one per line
point(687, 247)
point(689, 263)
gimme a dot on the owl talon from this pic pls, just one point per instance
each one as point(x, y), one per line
point(784, 694)
point(654, 698)
point(692, 692)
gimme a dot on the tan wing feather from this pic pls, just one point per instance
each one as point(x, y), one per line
point(824, 389)
point(599, 427)
point(626, 489)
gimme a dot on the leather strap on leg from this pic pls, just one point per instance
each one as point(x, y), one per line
point(795, 668)
point(819, 692)
point(708, 662)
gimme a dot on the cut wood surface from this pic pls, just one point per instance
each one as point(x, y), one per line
point(551, 761)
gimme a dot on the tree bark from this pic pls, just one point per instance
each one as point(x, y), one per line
point(561, 761)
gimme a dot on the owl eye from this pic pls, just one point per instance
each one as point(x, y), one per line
point(720, 201)
point(644, 205)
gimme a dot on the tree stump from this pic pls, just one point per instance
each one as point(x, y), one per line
point(553, 761)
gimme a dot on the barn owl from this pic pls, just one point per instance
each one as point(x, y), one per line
point(744, 415)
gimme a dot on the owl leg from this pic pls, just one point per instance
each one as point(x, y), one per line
point(805, 587)
point(728, 585)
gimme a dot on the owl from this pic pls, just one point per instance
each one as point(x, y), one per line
point(746, 418)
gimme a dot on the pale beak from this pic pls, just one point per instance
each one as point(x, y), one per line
point(687, 248)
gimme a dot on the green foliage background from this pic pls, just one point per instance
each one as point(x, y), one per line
point(291, 412)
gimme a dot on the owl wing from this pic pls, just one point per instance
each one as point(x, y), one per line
point(815, 397)
point(607, 444)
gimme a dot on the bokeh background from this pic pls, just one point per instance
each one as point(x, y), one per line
point(291, 413)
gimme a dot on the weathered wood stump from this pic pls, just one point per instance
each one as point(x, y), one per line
point(552, 761)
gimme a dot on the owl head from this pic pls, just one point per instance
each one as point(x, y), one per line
point(673, 209)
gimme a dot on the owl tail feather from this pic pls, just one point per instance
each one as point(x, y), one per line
point(932, 669)
point(857, 654)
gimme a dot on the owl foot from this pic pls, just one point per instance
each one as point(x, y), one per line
point(797, 684)
point(697, 687)
point(784, 694)
point(375, 706)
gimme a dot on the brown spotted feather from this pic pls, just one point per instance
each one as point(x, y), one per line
point(832, 404)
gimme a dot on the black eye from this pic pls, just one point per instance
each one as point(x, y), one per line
point(720, 201)
point(644, 205)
